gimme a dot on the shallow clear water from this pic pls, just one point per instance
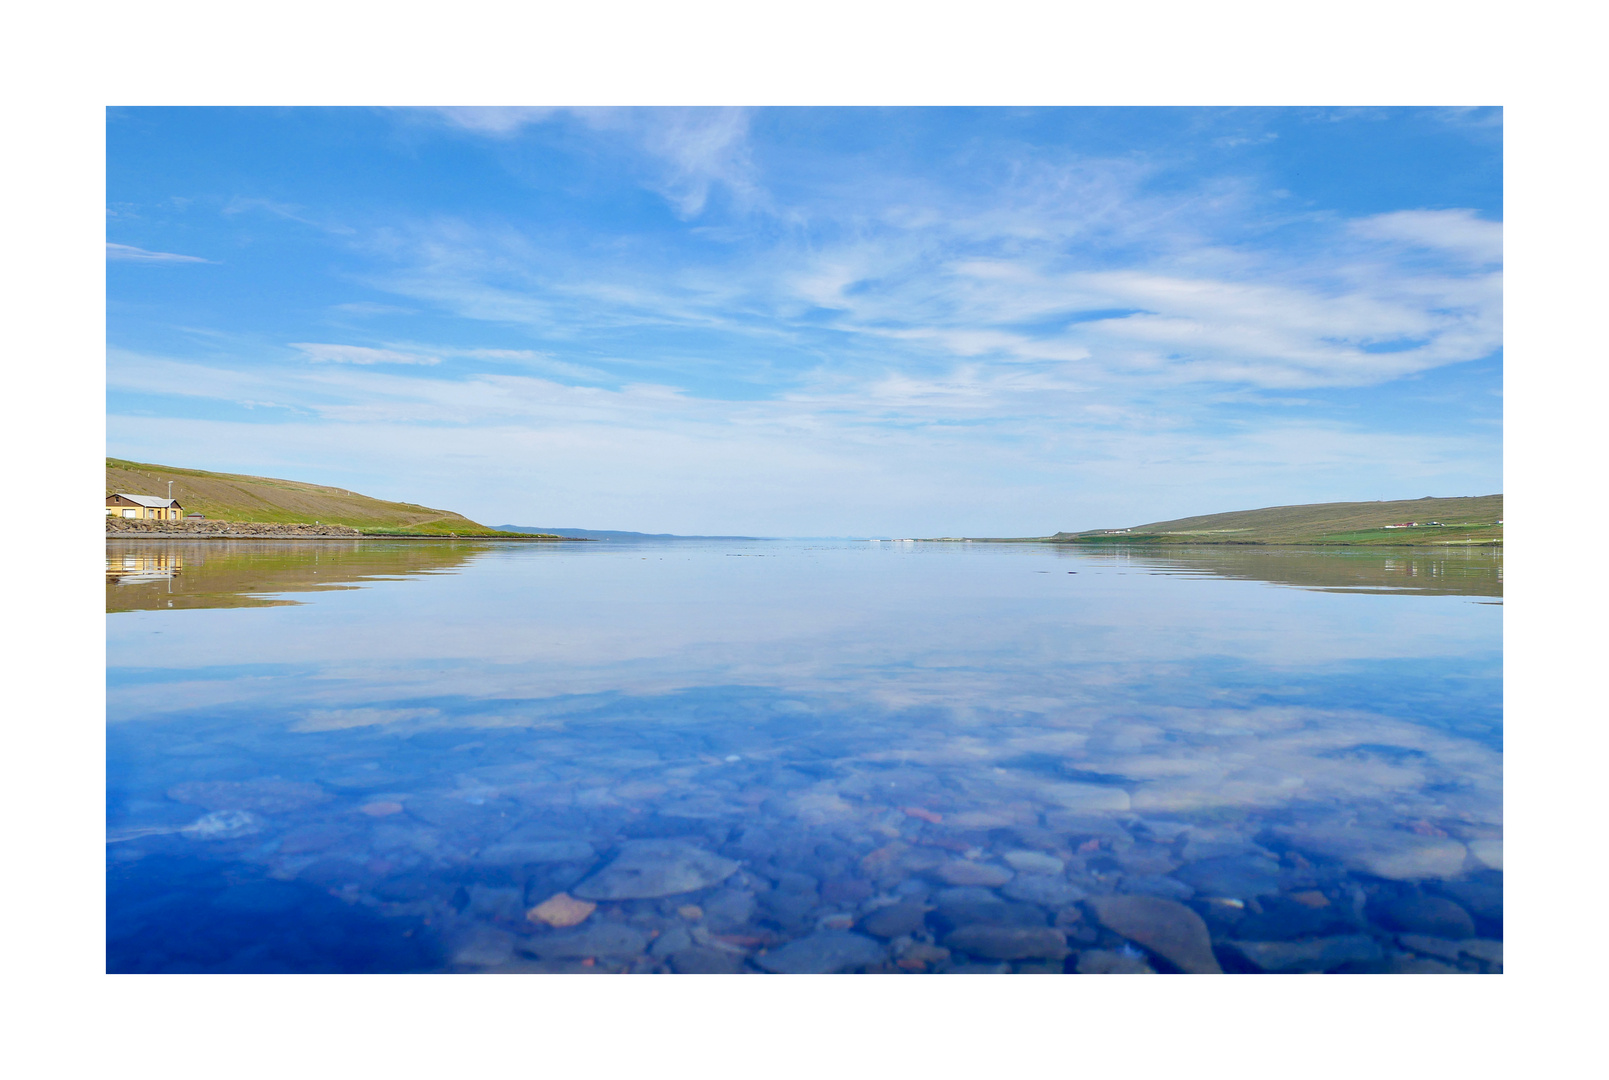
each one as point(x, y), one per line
point(801, 756)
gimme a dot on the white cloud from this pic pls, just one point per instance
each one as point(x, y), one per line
point(240, 204)
point(984, 450)
point(368, 308)
point(501, 121)
point(701, 149)
point(125, 253)
point(693, 150)
point(358, 354)
point(1457, 232)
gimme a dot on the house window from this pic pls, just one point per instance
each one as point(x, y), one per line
point(131, 513)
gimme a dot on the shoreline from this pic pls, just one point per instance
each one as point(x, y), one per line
point(309, 534)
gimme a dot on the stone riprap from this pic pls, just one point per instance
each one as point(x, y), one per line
point(136, 526)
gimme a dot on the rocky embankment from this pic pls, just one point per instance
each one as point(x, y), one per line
point(127, 526)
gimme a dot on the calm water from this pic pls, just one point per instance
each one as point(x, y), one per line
point(801, 756)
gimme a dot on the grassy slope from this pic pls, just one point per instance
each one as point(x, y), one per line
point(227, 497)
point(1471, 520)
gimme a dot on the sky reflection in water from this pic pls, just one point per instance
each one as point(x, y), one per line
point(360, 770)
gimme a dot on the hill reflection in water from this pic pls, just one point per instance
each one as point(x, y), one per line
point(159, 575)
point(1443, 572)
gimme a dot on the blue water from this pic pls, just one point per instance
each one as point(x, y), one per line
point(859, 757)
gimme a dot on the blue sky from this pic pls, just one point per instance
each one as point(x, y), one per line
point(813, 321)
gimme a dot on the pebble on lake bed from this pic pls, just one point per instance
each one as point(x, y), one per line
point(600, 939)
point(961, 872)
point(822, 953)
point(1106, 962)
point(1166, 927)
point(1311, 955)
point(381, 809)
point(1034, 862)
point(1009, 942)
point(648, 869)
point(561, 909)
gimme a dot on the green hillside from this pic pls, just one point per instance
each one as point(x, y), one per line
point(230, 497)
point(1475, 519)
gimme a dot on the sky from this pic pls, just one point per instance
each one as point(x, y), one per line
point(812, 322)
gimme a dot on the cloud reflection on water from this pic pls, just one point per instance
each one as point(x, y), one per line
point(824, 689)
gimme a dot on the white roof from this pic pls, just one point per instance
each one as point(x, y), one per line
point(147, 500)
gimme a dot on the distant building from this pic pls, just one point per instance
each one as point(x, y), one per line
point(145, 507)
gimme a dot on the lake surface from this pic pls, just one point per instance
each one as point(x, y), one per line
point(752, 756)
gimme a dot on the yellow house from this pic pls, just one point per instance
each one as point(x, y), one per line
point(149, 507)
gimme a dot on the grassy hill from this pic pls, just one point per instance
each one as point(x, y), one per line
point(229, 497)
point(1474, 519)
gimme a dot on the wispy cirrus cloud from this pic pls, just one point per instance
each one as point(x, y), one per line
point(126, 253)
point(1358, 303)
point(358, 354)
point(693, 151)
point(242, 204)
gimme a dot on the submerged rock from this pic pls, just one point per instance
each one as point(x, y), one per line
point(965, 907)
point(648, 869)
point(728, 910)
point(1418, 965)
point(1481, 895)
point(535, 851)
point(896, 919)
point(1107, 962)
point(822, 953)
point(1157, 885)
point(1417, 913)
point(1033, 862)
point(1043, 889)
point(561, 910)
point(1239, 876)
point(1285, 917)
point(484, 946)
point(1319, 954)
point(1483, 949)
point(961, 872)
point(600, 939)
point(1431, 946)
point(1009, 942)
point(699, 960)
point(1166, 927)
point(671, 941)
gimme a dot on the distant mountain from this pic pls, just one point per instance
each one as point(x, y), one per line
point(613, 534)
